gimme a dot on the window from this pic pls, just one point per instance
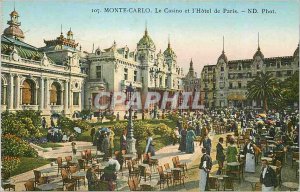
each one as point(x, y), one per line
point(258, 66)
point(125, 74)
point(135, 76)
point(76, 98)
point(240, 85)
point(278, 65)
point(222, 68)
point(240, 68)
point(289, 73)
point(240, 75)
point(278, 73)
point(99, 71)
point(230, 85)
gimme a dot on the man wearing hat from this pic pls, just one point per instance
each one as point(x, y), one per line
point(106, 147)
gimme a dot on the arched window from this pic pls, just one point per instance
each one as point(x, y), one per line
point(55, 94)
point(28, 92)
point(222, 68)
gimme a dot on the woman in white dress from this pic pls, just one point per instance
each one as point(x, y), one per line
point(250, 157)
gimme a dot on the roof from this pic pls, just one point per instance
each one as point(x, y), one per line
point(146, 41)
point(17, 42)
point(24, 50)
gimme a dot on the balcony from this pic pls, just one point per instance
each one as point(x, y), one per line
point(30, 107)
point(56, 108)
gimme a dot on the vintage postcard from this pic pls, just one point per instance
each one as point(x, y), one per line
point(132, 95)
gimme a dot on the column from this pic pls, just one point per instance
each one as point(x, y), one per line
point(47, 95)
point(42, 95)
point(11, 92)
point(4, 95)
point(36, 96)
point(17, 92)
point(66, 95)
point(79, 101)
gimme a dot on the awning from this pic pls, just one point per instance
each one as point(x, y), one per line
point(237, 97)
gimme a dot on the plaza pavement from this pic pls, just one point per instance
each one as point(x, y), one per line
point(166, 154)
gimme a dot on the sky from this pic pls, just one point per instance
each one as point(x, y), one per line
point(196, 36)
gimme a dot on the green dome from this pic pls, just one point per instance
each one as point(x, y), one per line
point(169, 52)
point(146, 42)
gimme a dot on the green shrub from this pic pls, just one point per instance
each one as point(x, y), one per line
point(119, 127)
point(16, 147)
point(9, 164)
point(111, 118)
point(21, 125)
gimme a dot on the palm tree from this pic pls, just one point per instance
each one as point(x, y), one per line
point(264, 87)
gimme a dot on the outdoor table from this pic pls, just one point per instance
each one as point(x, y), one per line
point(155, 157)
point(186, 161)
point(148, 185)
point(8, 184)
point(176, 169)
point(252, 181)
point(266, 158)
point(49, 186)
point(291, 185)
point(233, 164)
point(79, 174)
point(47, 170)
point(129, 155)
point(144, 165)
point(168, 170)
point(273, 167)
point(219, 177)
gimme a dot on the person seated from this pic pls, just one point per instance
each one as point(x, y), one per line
point(110, 173)
point(91, 177)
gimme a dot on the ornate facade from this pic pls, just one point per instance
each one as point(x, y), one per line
point(47, 79)
point(225, 84)
point(113, 69)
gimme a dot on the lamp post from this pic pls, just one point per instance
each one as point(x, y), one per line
point(154, 74)
point(130, 139)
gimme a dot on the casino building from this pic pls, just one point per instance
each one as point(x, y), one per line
point(60, 78)
point(48, 79)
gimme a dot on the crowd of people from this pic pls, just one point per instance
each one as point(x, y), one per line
point(255, 130)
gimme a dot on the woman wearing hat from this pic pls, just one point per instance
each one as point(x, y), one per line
point(250, 158)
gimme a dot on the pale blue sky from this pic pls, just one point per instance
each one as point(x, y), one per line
point(197, 36)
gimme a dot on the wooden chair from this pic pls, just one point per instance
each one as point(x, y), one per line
point(65, 177)
point(177, 176)
point(88, 154)
point(152, 163)
point(163, 177)
point(228, 184)
point(71, 187)
point(132, 172)
point(68, 158)
point(213, 184)
point(257, 187)
point(60, 164)
point(144, 172)
point(82, 164)
point(103, 186)
point(39, 179)
point(239, 172)
point(145, 158)
point(180, 165)
point(131, 185)
point(29, 185)
point(167, 166)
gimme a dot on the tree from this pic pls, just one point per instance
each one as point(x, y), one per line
point(290, 89)
point(263, 87)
